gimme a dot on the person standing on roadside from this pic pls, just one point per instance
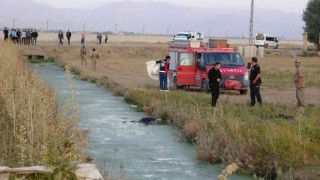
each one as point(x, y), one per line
point(106, 39)
point(83, 53)
point(18, 34)
point(60, 36)
point(215, 78)
point(255, 82)
point(163, 73)
point(13, 35)
point(299, 83)
point(99, 37)
point(23, 37)
point(68, 36)
point(34, 37)
point(28, 36)
point(83, 38)
point(5, 34)
point(94, 56)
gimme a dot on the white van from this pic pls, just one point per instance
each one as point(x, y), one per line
point(265, 40)
point(189, 36)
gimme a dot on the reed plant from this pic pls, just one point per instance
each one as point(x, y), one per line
point(34, 128)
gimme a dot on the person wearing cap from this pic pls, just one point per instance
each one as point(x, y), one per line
point(299, 83)
point(163, 73)
point(255, 81)
point(94, 56)
point(215, 78)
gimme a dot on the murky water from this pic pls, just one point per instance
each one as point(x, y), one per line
point(146, 152)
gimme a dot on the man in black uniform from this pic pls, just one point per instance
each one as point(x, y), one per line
point(5, 34)
point(215, 78)
point(255, 82)
point(68, 36)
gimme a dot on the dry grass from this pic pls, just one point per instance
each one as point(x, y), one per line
point(34, 129)
point(124, 64)
point(254, 138)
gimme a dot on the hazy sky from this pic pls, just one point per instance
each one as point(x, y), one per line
point(285, 5)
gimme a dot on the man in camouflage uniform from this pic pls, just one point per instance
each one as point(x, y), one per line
point(83, 53)
point(299, 82)
point(94, 56)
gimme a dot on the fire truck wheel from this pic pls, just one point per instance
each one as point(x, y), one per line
point(243, 92)
point(204, 86)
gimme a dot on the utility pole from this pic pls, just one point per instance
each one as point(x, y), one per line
point(14, 22)
point(115, 29)
point(143, 28)
point(84, 27)
point(48, 25)
point(251, 24)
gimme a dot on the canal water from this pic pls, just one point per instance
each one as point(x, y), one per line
point(145, 152)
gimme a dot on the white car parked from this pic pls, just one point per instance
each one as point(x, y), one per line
point(189, 36)
point(265, 40)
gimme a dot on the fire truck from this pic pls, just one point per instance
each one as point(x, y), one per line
point(191, 61)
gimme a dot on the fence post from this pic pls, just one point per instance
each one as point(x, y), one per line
point(305, 41)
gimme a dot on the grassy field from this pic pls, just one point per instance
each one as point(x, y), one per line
point(257, 139)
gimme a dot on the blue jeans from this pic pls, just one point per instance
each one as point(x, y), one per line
point(163, 81)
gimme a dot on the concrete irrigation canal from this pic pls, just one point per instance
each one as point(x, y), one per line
point(144, 152)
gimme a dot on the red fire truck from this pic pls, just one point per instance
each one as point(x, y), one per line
point(191, 61)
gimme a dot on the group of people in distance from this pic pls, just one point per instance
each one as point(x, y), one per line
point(82, 40)
point(21, 36)
point(83, 51)
point(215, 78)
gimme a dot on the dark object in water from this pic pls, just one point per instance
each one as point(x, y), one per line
point(148, 121)
point(284, 116)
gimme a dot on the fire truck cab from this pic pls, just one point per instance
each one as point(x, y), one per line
point(191, 61)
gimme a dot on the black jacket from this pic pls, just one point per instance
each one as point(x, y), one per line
point(34, 34)
point(214, 75)
point(255, 70)
point(68, 34)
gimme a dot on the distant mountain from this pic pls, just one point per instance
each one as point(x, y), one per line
point(153, 17)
